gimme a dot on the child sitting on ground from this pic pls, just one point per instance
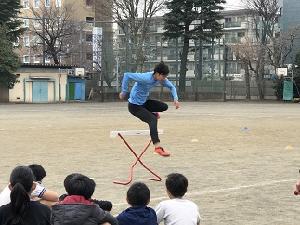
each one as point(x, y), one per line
point(40, 193)
point(21, 210)
point(77, 208)
point(138, 196)
point(105, 205)
point(176, 210)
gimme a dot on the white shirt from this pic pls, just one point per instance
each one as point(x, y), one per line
point(178, 212)
point(5, 194)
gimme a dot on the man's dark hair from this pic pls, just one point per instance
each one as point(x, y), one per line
point(138, 194)
point(38, 171)
point(78, 184)
point(162, 68)
point(177, 184)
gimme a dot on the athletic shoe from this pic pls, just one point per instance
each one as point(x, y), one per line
point(161, 151)
point(156, 114)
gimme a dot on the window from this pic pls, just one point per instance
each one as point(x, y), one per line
point(58, 3)
point(26, 4)
point(241, 34)
point(47, 59)
point(36, 24)
point(89, 56)
point(37, 58)
point(17, 42)
point(25, 22)
point(36, 40)
point(89, 3)
point(47, 3)
point(36, 3)
point(89, 38)
point(26, 59)
point(89, 19)
point(26, 41)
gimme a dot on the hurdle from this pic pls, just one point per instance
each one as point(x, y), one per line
point(114, 134)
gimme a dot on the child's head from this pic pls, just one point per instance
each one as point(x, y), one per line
point(162, 69)
point(22, 177)
point(21, 185)
point(177, 184)
point(138, 194)
point(68, 178)
point(38, 171)
point(78, 184)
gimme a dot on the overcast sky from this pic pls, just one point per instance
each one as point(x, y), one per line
point(234, 4)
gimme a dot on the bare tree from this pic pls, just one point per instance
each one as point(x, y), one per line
point(133, 17)
point(281, 47)
point(246, 52)
point(54, 27)
point(265, 15)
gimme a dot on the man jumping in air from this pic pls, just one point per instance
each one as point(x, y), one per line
point(146, 109)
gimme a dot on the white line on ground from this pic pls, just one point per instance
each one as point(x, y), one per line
point(236, 188)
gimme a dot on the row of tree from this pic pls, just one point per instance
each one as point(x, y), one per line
point(9, 32)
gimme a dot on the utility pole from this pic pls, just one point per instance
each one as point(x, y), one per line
point(117, 85)
point(80, 42)
point(176, 62)
point(200, 59)
point(44, 43)
point(219, 58)
point(225, 56)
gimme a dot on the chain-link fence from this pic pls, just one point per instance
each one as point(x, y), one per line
point(105, 60)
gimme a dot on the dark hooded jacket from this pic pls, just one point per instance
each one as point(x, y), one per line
point(80, 214)
point(140, 215)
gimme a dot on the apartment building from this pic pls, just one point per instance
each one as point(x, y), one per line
point(78, 49)
point(290, 20)
point(237, 24)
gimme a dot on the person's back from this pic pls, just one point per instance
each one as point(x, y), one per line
point(176, 210)
point(77, 214)
point(77, 208)
point(21, 210)
point(36, 214)
point(138, 196)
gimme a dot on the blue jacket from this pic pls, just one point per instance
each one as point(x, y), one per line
point(141, 215)
point(141, 89)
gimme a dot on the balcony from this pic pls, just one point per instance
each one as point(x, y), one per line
point(232, 24)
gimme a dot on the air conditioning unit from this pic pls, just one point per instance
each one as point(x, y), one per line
point(79, 72)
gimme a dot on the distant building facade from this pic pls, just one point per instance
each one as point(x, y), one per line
point(290, 19)
point(86, 14)
point(237, 24)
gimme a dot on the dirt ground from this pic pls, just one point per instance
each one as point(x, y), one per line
point(241, 159)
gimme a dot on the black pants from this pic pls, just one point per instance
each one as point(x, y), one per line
point(144, 113)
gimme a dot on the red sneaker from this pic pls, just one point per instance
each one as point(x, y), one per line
point(161, 151)
point(156, 114)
